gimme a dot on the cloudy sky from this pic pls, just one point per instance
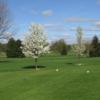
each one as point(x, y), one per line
point(59, 17)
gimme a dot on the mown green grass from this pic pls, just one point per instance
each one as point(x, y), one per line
point(71, 82)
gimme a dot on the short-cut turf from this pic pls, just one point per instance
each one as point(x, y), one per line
point(19, 81)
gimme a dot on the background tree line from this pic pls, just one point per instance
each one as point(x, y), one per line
point(13, 48)
point(60, 47)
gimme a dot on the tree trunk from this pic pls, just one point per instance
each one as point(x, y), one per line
point(36, 66)
point(78, 58)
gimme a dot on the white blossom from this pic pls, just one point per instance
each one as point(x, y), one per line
point(88, 71)
point(35, 42)
point(79, 48)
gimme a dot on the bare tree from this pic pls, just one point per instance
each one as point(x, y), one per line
point(4, 20)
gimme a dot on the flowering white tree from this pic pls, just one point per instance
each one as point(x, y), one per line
point(79, 51)
point(80, 46)
point(35, 42)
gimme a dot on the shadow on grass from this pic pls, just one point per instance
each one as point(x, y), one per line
point(33, 67)
point(70, 63)
point(4, 61)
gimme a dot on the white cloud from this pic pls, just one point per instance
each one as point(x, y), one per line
point(67, 37)
point(80, 20)
point(50, 25)
point(47, 13)
point(59, 29)
point(97, 24)
point(55, 27)
point(98, 2)
point(85, 29)
point(62, 28)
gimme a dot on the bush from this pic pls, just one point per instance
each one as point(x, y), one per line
point(13, 49)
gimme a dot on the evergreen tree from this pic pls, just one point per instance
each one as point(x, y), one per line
point(18, 49)
point(94, 47)
point(11, 48)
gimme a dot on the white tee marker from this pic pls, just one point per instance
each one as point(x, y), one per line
point(88, 71)
point(57, 70)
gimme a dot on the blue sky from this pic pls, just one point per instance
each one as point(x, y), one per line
point(59, 17)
